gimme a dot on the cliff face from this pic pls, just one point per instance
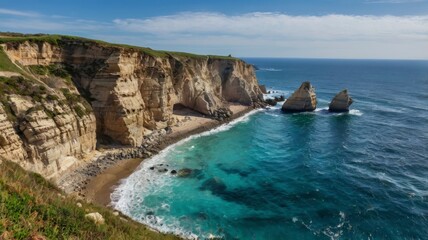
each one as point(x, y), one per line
point(128, 90)
point(44, 136)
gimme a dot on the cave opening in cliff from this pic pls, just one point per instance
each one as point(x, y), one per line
point(180, 110)
point(178, 107)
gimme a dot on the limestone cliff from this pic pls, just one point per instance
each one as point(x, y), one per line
point(43, 133)
point(128, 89)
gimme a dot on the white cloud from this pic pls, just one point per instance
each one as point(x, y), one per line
point(4, 11)
point(281, 26)
point(253, 34)
point(276, 34)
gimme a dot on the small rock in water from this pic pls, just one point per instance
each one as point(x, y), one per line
point(150, 213)
point(185, 172)
point(173, 172)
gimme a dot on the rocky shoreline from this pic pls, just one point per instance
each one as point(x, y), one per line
point(76, 181)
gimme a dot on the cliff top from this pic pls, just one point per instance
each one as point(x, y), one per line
point(6, 37)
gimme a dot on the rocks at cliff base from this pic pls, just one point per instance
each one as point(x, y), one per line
point(275, 100)
point(160, 168)
point(302, 100)
point(341, 102)
point(271, 102)
point(185, 172)
point(280, 98)
point(222, 114)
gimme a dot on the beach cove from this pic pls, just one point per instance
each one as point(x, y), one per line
point(271, 175)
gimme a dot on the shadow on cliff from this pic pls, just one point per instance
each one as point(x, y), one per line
point(181, 110)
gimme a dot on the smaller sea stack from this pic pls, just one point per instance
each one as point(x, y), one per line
point(302, 100)
point(340, 102)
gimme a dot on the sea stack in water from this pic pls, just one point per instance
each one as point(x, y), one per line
point(340, 102)
point(302, 100)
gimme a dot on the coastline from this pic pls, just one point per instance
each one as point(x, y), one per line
point(100, 186)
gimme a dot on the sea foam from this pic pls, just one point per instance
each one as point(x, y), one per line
point(270, 69)
point(124, 197)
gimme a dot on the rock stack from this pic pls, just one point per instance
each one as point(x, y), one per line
point(340, 102)
point(302, 100)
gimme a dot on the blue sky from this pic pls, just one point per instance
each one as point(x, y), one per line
point(390, 29)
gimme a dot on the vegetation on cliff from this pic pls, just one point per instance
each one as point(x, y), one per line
point(61, 39)
point(6, 64)
point(31, 206)
point(40, 94)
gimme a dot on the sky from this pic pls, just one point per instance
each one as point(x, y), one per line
point(362, 29)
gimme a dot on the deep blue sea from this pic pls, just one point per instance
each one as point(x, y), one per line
point(270, 175)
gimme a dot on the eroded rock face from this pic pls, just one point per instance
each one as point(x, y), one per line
point(129, 91)
point(341, 102)
point(302, 100)
point(11, 145)
point(132, 91)
point(50, 143)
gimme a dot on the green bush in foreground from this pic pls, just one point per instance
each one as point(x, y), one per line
point(31, 206)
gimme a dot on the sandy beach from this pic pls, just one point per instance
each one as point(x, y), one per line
point(102, 185)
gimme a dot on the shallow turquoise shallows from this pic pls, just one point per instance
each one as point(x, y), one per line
point(270, 175)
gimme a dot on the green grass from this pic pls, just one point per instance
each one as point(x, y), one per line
point(25, 87)
point(63, 39)
point(73, 99)
point(21, 86)
point(6, 64)
point(57, 70)
point(30, 205)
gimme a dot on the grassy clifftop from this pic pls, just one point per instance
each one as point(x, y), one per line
point(32, 207)
point(56, 39)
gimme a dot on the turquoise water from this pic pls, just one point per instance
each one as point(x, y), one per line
point(358, 175)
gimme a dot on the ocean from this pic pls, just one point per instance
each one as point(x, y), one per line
point(318, 175)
